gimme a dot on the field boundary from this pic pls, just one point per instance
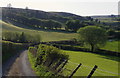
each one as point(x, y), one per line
point(88, 67)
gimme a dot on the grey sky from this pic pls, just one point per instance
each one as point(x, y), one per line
point(79, 7)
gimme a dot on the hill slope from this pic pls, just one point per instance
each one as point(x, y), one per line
point(46, 35)
point(57, 16)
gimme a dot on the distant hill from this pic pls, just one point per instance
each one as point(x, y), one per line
point(104, 16)
point(70, 15)
point(57, 16)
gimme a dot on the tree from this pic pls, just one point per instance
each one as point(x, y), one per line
point(96, 20)
point(9, 5)
point(89, 18)
point(26, 8)
point(93, 35)
point(74, 25)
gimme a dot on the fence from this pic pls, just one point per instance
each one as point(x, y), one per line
point(87, 69)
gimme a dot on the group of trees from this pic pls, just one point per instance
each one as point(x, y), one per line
point(74, 25)
point(34, 22)
point(21, 37)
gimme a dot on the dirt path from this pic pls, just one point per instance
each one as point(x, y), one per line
point(21, 66)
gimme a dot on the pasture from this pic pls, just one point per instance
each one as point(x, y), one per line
point(106, 66)
point(112, 46)
point(45, 35)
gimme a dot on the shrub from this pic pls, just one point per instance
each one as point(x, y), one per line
point(48, 55)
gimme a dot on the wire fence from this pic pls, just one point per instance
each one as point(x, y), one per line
point(100, 71)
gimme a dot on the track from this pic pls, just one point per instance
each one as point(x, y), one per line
point(21, 66)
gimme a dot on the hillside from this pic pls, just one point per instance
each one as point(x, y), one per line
point(45, 35)
point(37, 19)
point(58, 16)
point(56, 20)
point(70, 15)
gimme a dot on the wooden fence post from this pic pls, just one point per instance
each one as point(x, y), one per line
point(75, 70)
point(93, 70)
point(62, 66)
point(58, 64)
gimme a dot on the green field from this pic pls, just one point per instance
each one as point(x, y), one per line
point(112, 46)
point(45, 35)
point(106, 67)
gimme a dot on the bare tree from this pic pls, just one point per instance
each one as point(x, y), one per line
point(9, 5)
point(26, 8)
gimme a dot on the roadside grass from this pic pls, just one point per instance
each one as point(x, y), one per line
point(45, 35)
point(112, 46)
point(106, 67)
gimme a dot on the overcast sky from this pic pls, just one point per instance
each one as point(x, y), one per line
point(79, 7)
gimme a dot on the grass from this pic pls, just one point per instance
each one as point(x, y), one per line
point(45, 35)
point(106, 67)
point(112, 46)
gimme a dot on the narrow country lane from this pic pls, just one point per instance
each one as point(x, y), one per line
point(21, 66)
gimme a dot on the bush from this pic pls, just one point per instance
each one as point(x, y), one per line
point(39, 70)
point(48, 54)
point(47, 58)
